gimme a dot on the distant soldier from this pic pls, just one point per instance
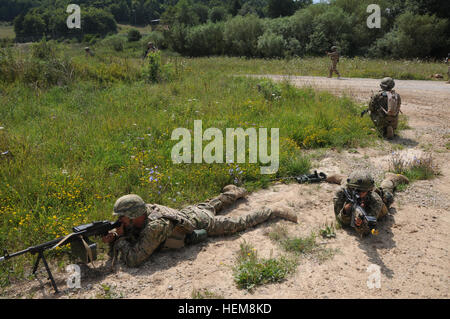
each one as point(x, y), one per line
point(150, 48)
point(147, 227)
point(384, 108)
point(375, 201)
point(88, 51)
point(447, 61)
point(334, 55)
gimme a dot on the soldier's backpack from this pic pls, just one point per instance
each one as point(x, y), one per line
point(393, 103)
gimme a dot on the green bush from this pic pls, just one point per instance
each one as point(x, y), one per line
point(241, 35)
point(271, 45)
point(176, 37)
point(217, 14)
point(134, 35)
point(42, 67)
point(413, 36)
point(206, 39)
point(157, 38)
point(251, 271)
point(116, 42)
point(154, 71)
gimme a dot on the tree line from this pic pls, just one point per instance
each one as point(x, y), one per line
point(263, 28)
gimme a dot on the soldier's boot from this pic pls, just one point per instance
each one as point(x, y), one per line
point(392, 180)
point(389, 132)
point(335, 179)
point(384, 211)
point(388, 186)
point(230, 194)
point(282, 211)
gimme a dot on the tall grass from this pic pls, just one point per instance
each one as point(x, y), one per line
point(318, 66)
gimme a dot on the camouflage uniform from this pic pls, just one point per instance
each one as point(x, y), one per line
point(376, 202)
point(334, 55)
point(167, 227)
point(88, 51)
point(150, 48)
point(448, 71)
point(378, 106)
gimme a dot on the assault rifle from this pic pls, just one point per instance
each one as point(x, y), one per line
point(364, 112)
point(81, 246)
point(307, 178)
point(358, 211)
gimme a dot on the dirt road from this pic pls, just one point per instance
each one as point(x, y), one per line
point(411, 250)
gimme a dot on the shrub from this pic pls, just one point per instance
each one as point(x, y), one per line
point(271, 45)
point(157, 38)
point(270, 90)
point(177, 37)
point(42, 67)
point(217, 14)
point(413, 36)
point(134, 35)
point(417, 168)
point(154, 71)
point(115, 42)
point(206, 39)
point(241, 35)
point(251, 271)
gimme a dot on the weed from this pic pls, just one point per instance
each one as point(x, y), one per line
point(251, 271)
point(415, 169)
point(204, 294)
point(300, 245)
point(108, 292)
point(277, 233)
point(328, 231)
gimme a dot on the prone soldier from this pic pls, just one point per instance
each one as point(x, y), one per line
point(375, 201)
point(147, 227)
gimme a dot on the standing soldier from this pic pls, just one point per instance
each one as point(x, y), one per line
point(146, 227)
point(334, 55)
point(447, 60)
point(150, 48)
point(384, 108)
point(88, 51)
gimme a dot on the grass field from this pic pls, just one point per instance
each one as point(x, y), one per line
point(7, 31)
point(78, 132)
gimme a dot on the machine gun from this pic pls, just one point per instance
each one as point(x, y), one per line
point(81, 246)
point(358, 211)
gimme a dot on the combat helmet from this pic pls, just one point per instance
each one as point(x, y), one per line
point(333, 48)
point(131, 206)
point(387, 84)
point(361, 181)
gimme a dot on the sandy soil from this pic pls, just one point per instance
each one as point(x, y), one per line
point(411, 250)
